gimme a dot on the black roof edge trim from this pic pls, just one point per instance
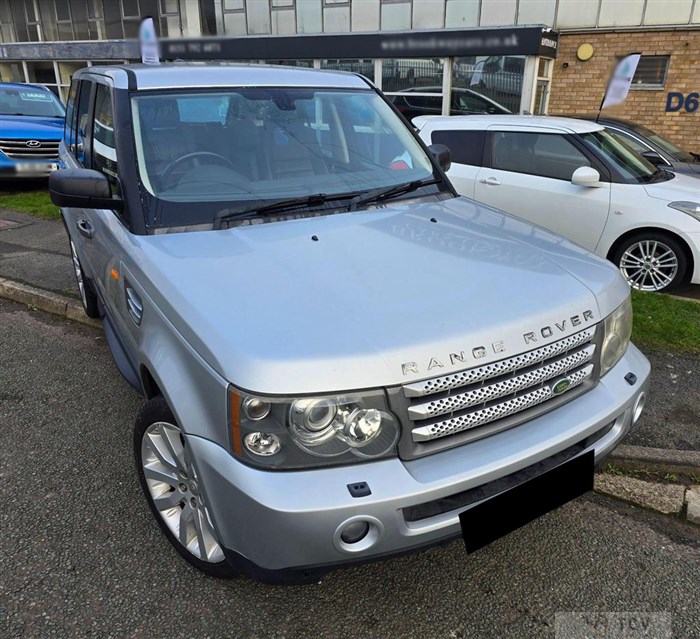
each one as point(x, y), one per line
point(132, 85)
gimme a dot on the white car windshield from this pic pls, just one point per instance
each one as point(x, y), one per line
point(631, 166)
point(201, 151)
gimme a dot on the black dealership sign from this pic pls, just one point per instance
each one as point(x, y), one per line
point(404, 44)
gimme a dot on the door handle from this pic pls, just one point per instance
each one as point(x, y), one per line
point(85, 228)
point(492, 181)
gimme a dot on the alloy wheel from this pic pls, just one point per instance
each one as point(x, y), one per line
point(174, 488)
point(78, 274)
point(649, 265)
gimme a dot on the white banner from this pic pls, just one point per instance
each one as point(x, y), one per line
point(619, 85)
point(148, 42)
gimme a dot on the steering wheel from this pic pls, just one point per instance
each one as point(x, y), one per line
point(194, 158)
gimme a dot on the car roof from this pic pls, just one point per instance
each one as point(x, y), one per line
point(524, 122)
point(24, 85)
point(605, 119)
point(192, 74)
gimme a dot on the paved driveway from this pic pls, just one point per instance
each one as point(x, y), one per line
point(81, 557)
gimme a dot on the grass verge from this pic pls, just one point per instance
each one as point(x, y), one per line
point(661, 321)
point(34, 201)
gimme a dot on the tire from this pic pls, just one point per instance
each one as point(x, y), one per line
point(651, 261)
point(88, 297)
point(161, 453)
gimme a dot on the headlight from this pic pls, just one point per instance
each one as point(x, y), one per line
point(284, 433)
point(618, 330)
point(691, 208)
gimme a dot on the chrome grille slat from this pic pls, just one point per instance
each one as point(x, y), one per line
point(452, 403)
point(480, 373)
point(19, 149)
point(494, 412)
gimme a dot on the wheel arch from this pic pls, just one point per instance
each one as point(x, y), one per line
point(658, 231)
point(151, 388)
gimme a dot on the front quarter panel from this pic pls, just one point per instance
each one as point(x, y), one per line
point(196, 394)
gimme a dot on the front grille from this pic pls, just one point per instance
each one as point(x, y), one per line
point(482, 396)
point(28, 150)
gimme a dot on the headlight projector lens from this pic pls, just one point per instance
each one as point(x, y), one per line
point(363, 426)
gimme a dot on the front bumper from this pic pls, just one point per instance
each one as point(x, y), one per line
point(276, 525)
point(693, 240)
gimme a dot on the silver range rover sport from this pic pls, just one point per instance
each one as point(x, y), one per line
point(341, 359)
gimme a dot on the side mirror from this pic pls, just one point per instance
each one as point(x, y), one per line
point(585, 176)
point(442, 154)
point(82, 188)
point(653, 157)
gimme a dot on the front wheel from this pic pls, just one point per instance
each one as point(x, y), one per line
point(651, 262)
point(88, 297)
point(171, 486)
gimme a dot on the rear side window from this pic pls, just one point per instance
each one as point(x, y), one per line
point(466, 147)
point(104, 151)
point(545, 154)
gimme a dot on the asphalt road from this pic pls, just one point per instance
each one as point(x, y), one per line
point(80, 555)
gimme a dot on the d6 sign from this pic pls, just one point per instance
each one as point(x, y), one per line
point(676, 101)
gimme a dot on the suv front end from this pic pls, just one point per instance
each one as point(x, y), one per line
point(491, 428)
point(31, 127)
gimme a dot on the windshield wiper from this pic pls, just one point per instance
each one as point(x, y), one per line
point(377, 195)
point(258, 209)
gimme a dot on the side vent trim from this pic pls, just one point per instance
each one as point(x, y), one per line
point(133, 303)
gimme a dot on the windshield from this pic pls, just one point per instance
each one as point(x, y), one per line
point(633, 168)
point(30, 101)
point(675, 152)
point(203, 151)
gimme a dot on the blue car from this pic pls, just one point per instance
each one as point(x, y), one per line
point(31, 126)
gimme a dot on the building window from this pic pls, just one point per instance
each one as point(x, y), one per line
point(651, 72)
point(7, 29)
point(170, 18)
point(282, 4)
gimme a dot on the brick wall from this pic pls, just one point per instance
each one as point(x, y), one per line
point(579, 88)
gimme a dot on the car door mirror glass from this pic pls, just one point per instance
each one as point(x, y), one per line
point(82, 188)
point(442, 154)
point(585, 176)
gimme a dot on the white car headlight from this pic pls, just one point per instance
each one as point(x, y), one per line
point(289, 432)
point(691, 208)
point(618, 330)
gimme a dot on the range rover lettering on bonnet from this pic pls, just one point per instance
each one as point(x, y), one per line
point(559, 327)
point(479, 352)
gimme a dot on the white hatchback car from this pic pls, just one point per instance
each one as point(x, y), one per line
point(574, 178)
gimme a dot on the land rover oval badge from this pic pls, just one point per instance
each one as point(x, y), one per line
point(561, 386)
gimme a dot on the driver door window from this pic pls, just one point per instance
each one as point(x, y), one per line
point(104, 152)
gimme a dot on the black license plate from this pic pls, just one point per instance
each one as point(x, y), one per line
point(518, 506)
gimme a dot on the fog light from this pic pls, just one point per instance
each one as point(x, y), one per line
point(263, 444)
point(354, 532)
point(256, 409)
point(639, 407)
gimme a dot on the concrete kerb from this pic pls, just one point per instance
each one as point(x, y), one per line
point(46, 301)
point(668, 499)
